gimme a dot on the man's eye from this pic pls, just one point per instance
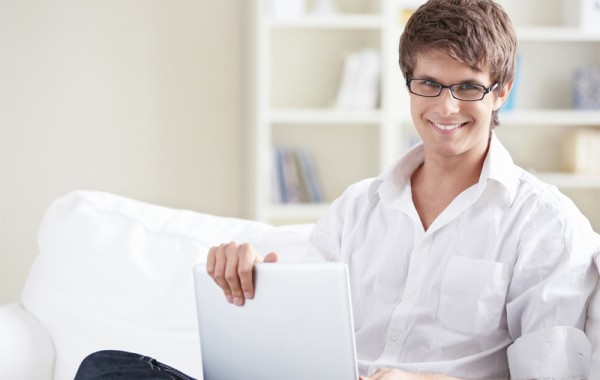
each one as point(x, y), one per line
point(467, 87)
point(431, 83)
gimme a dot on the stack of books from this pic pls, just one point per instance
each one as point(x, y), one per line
point(295, 177)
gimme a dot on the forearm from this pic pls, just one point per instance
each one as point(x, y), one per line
point(396, 374)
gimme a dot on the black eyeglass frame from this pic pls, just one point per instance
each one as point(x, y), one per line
point(486, 90)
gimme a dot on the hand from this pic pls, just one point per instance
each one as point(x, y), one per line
point(231, 267)
point(396, 374)
point(391, 374)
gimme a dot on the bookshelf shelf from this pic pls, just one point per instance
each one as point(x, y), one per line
point(325, 116)
point(570, 180)
point(555, 34)
point(297, 211)
point(550, 117)
point(327, 22)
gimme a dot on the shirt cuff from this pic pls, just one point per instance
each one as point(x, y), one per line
point(562, 352)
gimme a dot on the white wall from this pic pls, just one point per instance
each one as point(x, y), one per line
point(136, 97)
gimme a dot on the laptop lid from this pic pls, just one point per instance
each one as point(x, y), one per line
point(298, 326)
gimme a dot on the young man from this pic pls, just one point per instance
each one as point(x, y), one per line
point(461, 264)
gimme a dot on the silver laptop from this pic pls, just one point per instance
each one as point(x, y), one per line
point(298, 326)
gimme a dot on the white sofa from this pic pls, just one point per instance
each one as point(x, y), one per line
point(115, 273)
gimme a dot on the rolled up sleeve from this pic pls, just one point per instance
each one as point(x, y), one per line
point(546, 306)
point(554, 353)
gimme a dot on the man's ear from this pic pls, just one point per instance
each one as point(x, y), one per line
point(502, 95)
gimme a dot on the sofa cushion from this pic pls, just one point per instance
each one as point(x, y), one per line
point(115, 273)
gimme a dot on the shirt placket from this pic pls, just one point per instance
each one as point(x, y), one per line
point(398, 331)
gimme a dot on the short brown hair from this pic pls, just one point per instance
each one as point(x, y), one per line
point(478, 33)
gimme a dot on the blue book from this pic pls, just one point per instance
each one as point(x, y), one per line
point(310, 176)
point(510, 103)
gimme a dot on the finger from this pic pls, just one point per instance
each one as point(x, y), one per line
point(219, 271)
point(231, 274)
point(248, 258)
point(272, 257)
point(210, 262)
point(380, 374)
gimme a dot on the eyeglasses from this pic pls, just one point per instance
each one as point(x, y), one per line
point(463, 91)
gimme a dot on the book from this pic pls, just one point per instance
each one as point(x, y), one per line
point(511, 101)
point(586, 89)
point(279, 177)
point(310, 177)
point(295, 177)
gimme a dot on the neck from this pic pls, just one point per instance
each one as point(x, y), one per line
point(458, 173)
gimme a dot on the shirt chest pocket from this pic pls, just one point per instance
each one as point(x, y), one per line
point(473, 294)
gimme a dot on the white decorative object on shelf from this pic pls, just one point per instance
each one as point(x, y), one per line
point(284, 9)
point(582, 152)
point(359, 86)
point(324, 7)
point(584, 14)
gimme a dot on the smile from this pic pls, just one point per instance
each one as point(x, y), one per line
point(448, 127)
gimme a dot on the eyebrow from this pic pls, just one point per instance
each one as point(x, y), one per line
point(466, 81)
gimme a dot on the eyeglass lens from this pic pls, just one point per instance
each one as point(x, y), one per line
point(464, 91)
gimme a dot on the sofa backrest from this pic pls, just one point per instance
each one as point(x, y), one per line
point(115, 273)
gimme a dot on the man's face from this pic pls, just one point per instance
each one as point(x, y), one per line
point(451, 128)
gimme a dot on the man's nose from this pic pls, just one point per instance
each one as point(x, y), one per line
point(447, 104)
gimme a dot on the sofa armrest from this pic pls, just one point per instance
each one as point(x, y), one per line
point(25, 348)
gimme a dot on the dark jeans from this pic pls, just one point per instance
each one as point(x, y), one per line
point(120, 365)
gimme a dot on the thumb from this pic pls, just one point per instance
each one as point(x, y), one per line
point(271, 258)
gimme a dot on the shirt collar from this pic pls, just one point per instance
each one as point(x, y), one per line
point(498, 166)
point(393, 180)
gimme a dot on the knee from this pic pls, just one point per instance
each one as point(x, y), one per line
point(98, 363)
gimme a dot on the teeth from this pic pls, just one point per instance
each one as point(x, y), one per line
point(447, 127)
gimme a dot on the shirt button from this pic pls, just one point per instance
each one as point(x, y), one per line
point(412, 292)
point(395, 336)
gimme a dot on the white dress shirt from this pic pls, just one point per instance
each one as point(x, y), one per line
point(496, 287)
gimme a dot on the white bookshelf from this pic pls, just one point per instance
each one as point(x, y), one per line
point(550, 117)
point(326, 22)
point(555, 34)
point(294, 108)
point(325, 116)
point(570, 181)
point(535, 130)
point(297, 72)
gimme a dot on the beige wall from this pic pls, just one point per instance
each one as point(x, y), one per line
point(136, 97)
